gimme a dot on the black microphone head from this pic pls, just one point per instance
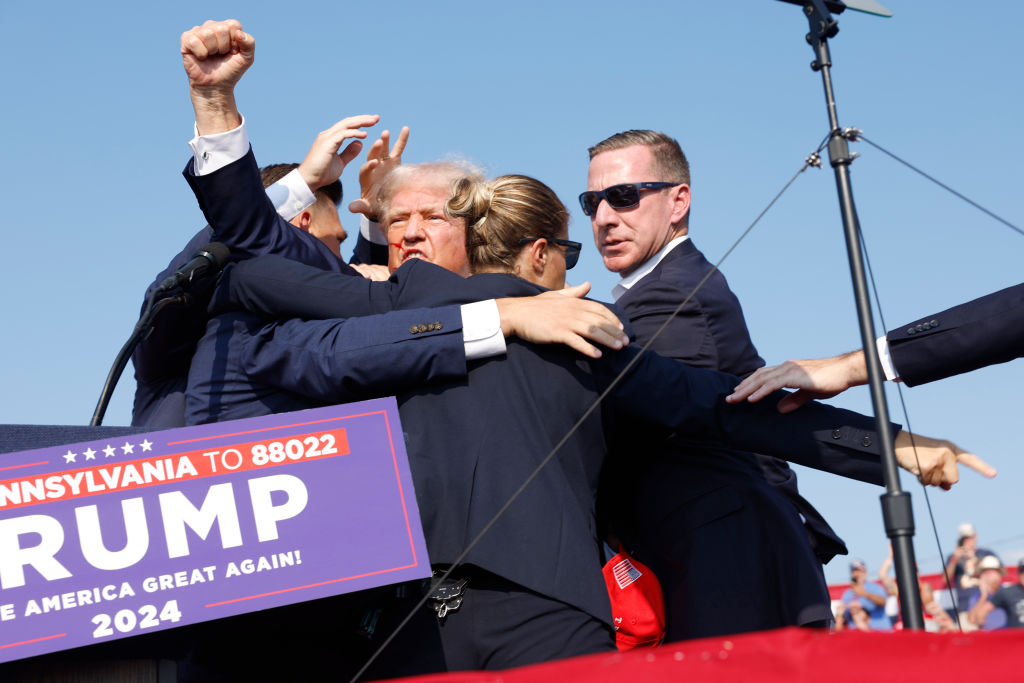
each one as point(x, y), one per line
point(216, 252)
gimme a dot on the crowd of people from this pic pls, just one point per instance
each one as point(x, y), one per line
point(978, 595)
point(455, 302)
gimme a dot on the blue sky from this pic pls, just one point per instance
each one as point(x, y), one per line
point(96, 119)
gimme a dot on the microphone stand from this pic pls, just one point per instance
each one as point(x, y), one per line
point(897, 512)
point(142, 327)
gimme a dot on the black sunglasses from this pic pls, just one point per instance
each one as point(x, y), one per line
point(572, 249)
point(619, 196)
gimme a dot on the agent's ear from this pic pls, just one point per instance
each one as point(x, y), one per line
point(539, 256)
point(680, 205)
point(303, 220)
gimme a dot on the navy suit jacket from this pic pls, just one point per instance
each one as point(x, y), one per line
point(982, 332)
point(711, 332)
point(162, 358)
point(698, 514)
point(472, 442)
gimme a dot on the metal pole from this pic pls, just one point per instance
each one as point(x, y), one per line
point(897, 512)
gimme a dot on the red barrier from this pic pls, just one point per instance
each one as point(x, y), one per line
point(791, 655)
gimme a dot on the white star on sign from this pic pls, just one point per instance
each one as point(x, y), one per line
point(128, 448)
point(69, 456)
point(147, 445)
point(89, 454)
point(109, 451)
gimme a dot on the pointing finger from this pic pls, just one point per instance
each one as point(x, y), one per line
point(975, 463)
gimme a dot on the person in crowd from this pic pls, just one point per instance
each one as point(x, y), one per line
point(989, 572)
point(936, 619)
point(865, 597)
point(1009, 599)
point(708, 503)
point(982, 332)
point(961, 566)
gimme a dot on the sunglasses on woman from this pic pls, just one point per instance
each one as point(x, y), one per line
point(618, 196)
point(572, 249)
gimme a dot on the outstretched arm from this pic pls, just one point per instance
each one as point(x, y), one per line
point(982, 332)
point(814, 379)
point(689, 400)
point(274, 288)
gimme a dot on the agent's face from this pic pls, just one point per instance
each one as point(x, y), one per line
point(629, 237)
point(325, 225)
point(417, 227)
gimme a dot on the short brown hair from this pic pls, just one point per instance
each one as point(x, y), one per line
point(669, 161)
point(501, 212)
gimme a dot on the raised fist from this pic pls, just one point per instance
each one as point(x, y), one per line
point(216, 54)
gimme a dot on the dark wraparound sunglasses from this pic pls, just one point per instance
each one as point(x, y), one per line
point(619, 196)
point(572, 249)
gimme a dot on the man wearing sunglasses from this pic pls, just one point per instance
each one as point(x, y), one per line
point(699, 517)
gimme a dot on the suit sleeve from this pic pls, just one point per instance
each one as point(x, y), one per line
point(344, 360)
point(670, 395)
point(242, 217)
point(276, 287)
point(685, 338)
point(366, 251)
point(273, 287)
point(982, 332)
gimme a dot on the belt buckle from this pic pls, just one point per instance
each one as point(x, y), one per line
point(447, 595)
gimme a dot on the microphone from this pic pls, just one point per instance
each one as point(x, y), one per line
point(206, 261)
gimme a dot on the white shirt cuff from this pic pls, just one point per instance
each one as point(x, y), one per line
point(886, 359)
point(481, 330)
point(291, 195)
point(213, 152)
point(371, 231)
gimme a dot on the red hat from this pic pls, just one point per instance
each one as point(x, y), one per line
point(638, 608)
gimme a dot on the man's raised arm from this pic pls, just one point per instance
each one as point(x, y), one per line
point(215, 56)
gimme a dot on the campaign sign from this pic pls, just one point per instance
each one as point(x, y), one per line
point(109, 539)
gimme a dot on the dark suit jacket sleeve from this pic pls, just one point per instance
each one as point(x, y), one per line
point(982, 332)
point(273, 287)
point(366, 251)
point(242, 216)
point(343, 360)
point(671, 395)
point(685, 338)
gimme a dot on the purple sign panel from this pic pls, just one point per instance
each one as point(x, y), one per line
point(109, 539)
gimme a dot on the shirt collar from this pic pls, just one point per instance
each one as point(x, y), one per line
point(626, 283)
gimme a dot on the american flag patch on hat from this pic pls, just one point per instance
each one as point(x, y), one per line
point(625, 573)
